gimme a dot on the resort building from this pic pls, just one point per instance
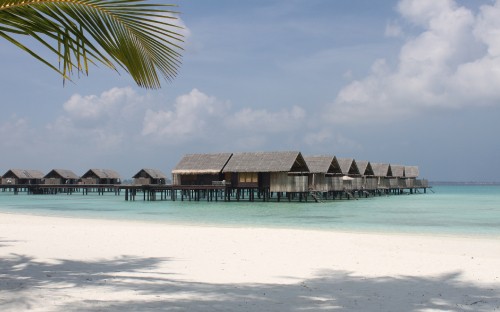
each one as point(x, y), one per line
point(61, 176)
point(381, 173)
point(101, 177)
point(325, 173)
point(149, 177)
point(366, 171)
point(411, 173)
point(200, 169)
point(22, 177)
point(271, 171)
point(352, 179)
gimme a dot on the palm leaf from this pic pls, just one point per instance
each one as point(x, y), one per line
point(137, 36)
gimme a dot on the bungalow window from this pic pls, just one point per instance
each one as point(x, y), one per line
point(248, 177)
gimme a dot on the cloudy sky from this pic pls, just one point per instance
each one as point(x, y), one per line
point(412, 82)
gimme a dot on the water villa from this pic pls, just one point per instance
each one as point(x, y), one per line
point(325, 174)
point(266, 173)
point(61, 176)
point(250, 176)
point(22, 177)
point(100, 177)
point(200, 169)
point(150, 177)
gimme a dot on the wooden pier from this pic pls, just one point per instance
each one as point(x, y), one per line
point(248, 176)
point(209, 193)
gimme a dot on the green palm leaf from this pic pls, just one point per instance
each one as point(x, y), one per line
point(135, 35)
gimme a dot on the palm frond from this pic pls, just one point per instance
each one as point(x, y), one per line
point(137, 36)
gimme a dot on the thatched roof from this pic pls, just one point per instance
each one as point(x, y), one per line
point(365, 167)
point(411, 171)
point(101, 174)
point(348, 166)
point(398, 171)
point(202, 163)
point(267, 162)
point(23, 174)
point(152, 173)
point(323, 164)
point(61, 173)
point(381, 170)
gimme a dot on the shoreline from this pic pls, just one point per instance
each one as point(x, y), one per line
point(264, 227)
point(71, 264)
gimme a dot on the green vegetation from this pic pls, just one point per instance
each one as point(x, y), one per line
point(141, 38)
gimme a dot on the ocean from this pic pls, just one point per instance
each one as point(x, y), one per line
point(445, 210)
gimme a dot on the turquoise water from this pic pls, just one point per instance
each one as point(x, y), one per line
point(450, 210)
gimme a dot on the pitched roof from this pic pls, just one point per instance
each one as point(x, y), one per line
point(397, 170)
point(102, 174)
point(152, 173)
point(202, 163)
point(322, 164)
point(348, 166)
point(62, 173)
point(266, 162)
point(380, 170)
point(24, 174)
point(365, 167)
point(411, 171)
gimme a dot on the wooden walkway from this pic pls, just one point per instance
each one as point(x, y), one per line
point(208, 193)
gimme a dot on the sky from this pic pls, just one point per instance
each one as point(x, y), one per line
point(412, 82)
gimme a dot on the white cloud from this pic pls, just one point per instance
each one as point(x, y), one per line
point(190, 116)
point(196, 115)
point(452, 63)
point(488, 28)
point(261, 120)
point(393, 29)
point(16, 133)
point(106, 119)
point(90, 109)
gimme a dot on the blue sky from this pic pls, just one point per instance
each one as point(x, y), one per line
point(412, 82)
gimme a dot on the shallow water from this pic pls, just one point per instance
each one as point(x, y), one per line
point(450, 210)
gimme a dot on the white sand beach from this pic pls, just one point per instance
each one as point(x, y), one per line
point(66, 264)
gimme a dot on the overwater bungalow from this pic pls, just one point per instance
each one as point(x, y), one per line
point(364, 167)
point(366, 171)
point(352, 179)
point(200, 169)
point(396, 180)
point(61, 176)
point(149, 177)
point(101, 177)
point(268, 171)
point(410, 176)
point(381, 174)
point(22, 177)
point(325, 173)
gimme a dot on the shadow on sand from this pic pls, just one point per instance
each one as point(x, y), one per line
point(26, 284)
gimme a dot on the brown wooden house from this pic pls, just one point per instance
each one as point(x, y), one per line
point(352, 179)
point(200, 169)
point(149, 177)
point(325, 173)
point(22, 177)
point(61, 176)
point(381, 174)
point(397, 178)
point(273, 171)
point(410, 175)
point(101, 177)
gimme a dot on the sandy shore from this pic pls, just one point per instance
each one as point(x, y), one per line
point(62, 264)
